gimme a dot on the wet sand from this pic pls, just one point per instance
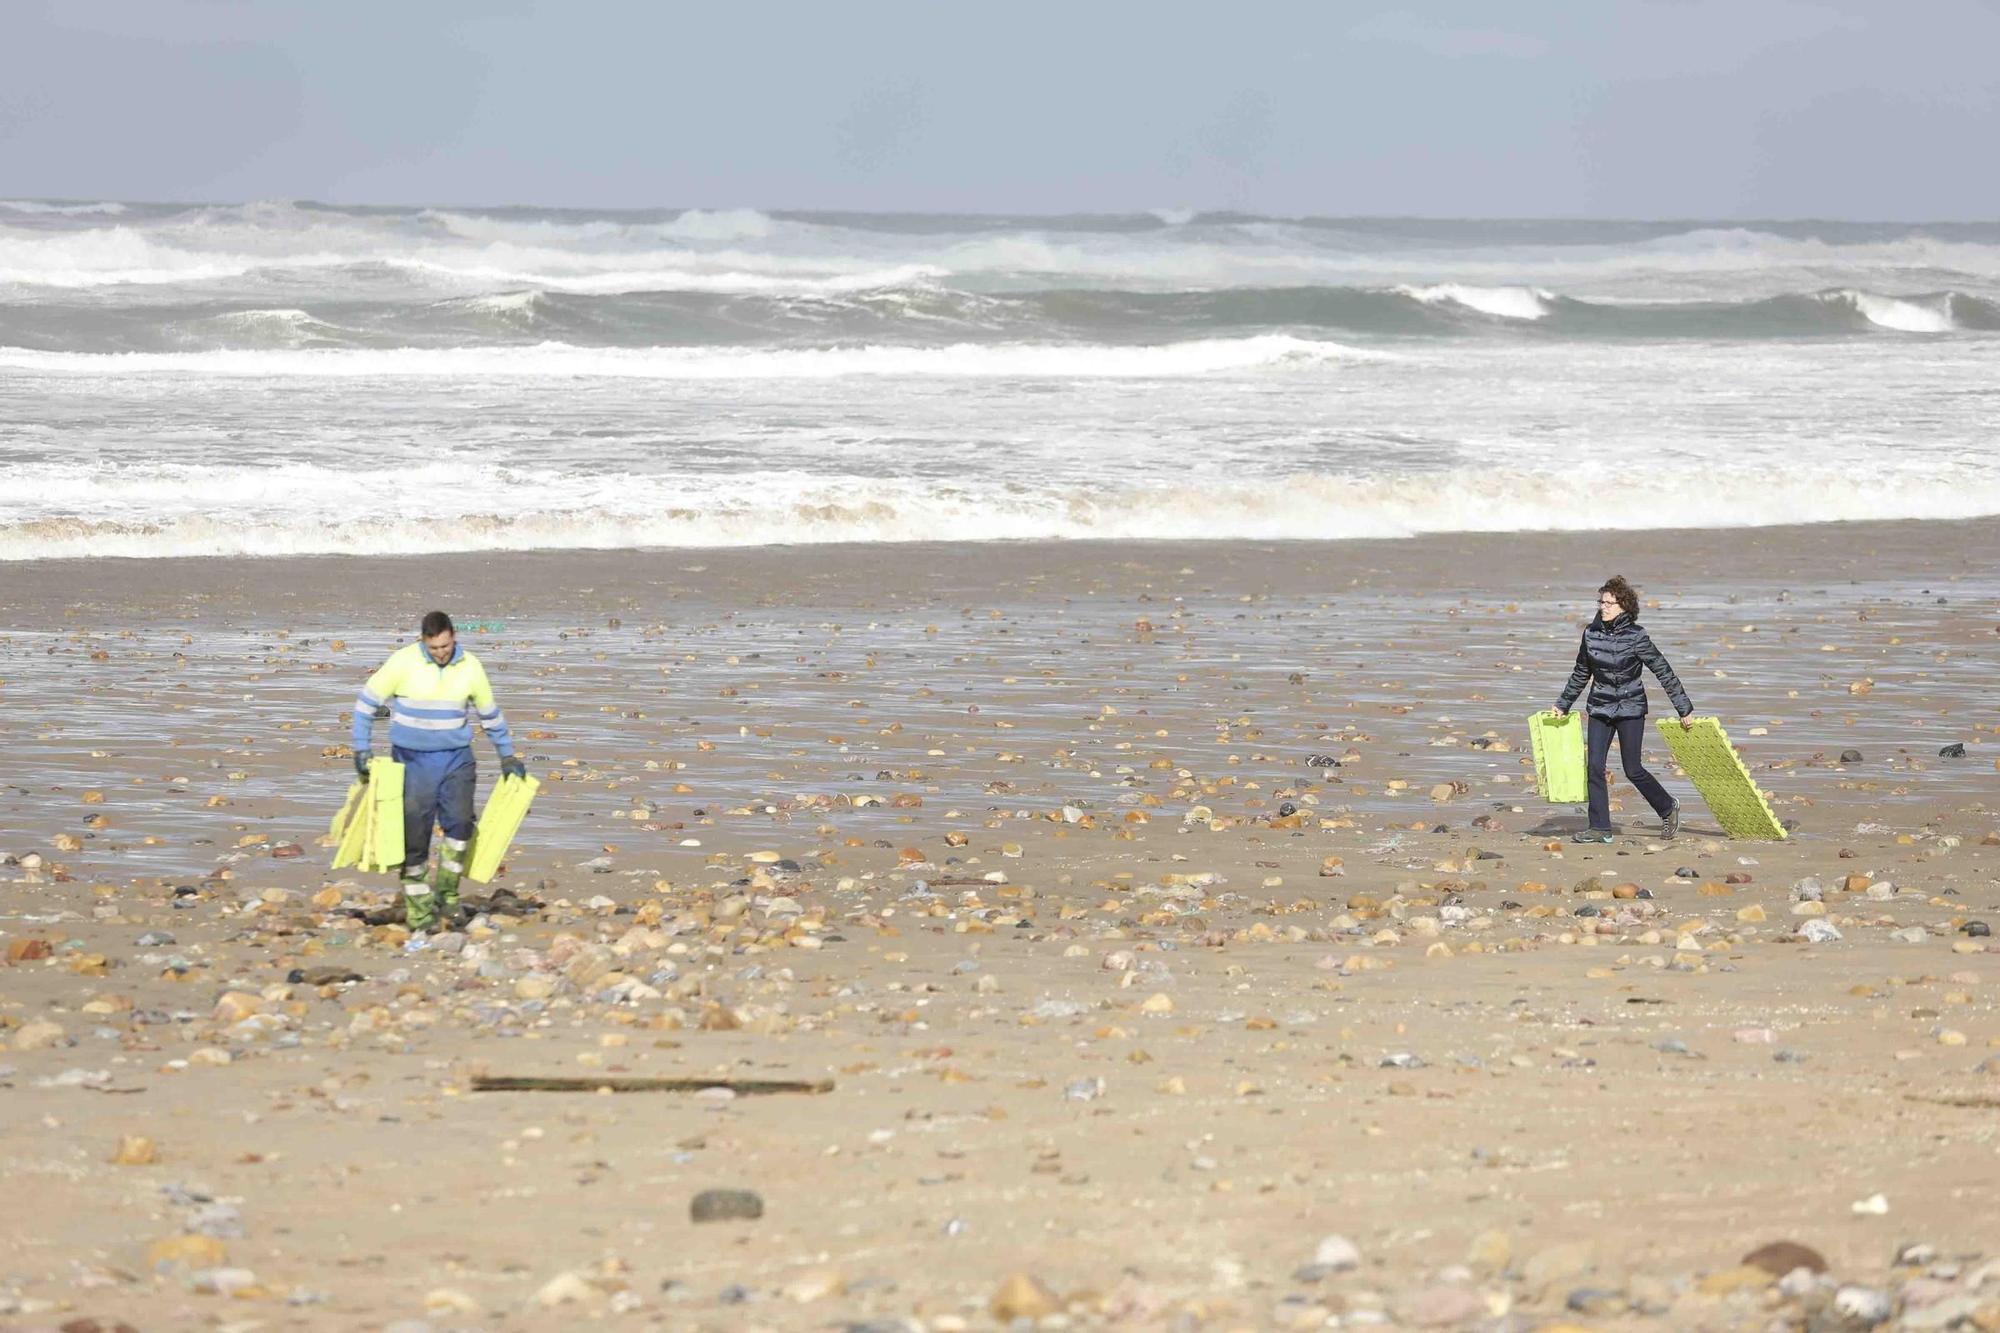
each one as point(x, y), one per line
point(994, 839)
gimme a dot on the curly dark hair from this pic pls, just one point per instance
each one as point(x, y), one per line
point(1627, 595)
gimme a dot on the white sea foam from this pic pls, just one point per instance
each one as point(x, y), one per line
point(41, 208)
point(212, 513)
point(116, 257)
point(821, 410)
point(1501, 302)
point(747, 251)
point(514, 305)
point(729, 224)
point(694, 225)
point(969, 360)
point(103, 256)
point(1902, 314)
point(288, 317)
point(665, 278)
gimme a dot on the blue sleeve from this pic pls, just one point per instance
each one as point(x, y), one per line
point(365, 704)
point(494, 723)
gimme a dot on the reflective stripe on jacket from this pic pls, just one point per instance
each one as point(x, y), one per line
point(431, 707)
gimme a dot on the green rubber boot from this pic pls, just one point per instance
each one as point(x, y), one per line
point(451, 867)
point(419, 907)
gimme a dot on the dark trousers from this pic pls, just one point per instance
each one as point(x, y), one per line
point(437, 789)
point(1631, 733)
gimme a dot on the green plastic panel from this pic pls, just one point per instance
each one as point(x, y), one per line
point(1712, 764)
point(1559, 759)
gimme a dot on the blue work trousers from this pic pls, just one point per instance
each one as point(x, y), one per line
point(437, 789)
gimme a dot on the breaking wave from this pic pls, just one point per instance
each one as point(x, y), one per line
point(966, 360)
point(213, 513)
point(1901, 314)
point(39, 208)
point(1500, 302)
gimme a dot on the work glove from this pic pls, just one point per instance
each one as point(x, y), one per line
point(361, 758)
point(512, 767)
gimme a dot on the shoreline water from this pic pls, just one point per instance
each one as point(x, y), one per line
point(1775, 558)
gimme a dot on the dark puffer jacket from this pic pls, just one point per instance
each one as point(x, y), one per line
point(1610, 657)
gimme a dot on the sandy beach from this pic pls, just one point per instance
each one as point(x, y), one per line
point(1131, 1016)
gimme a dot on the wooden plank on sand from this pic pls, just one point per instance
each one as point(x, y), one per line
point(742, 1087)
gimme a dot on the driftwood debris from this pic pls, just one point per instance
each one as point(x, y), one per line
point(1964, 1101)
point(742, 1087)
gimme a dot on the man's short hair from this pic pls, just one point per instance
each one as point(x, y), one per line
point(436, 623)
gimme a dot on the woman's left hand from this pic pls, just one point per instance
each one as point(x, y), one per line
point(1687, 723)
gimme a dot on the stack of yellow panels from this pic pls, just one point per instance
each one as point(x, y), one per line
point(505, 808)
point(369, 828)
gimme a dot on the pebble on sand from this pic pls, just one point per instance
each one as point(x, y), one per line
point(1022, 1296)
point(1782, 1256)
point(726, 1205)
point(135, 1150)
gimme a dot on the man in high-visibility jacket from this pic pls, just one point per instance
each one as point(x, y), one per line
point(433, 690)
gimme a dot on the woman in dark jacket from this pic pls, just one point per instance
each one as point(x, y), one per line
point(1610, 659)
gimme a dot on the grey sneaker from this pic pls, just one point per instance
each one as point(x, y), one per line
point(1592, 835)
point(1671, 825)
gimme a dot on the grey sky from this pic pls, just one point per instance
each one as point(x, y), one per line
point(1636, 108)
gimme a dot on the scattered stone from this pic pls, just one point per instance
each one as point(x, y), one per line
point(1961, 1311)
point(216, 1218)
point(565, 1289)
point(1558, 1263)
point(186, 1251)
point(1864, 1305)
point(1729, 1281)
point(222, 1281)
point(38, 1036)
point(1442, 1307)
point(1850, 756)
point(1597, 1302)
point(814, 1284)
point(235, 1006)
point(1782, 1256)
point(1491, 1251)
point(449, 1300)
point(1336, 1254)
point(726, 1205)
point(1022, 1296)
point(135, 1150)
